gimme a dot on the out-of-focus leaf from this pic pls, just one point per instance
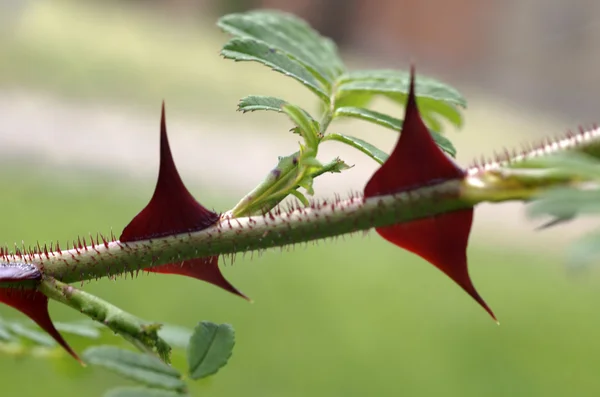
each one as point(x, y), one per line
point(289, 34)
point(565, 202)
point(5, 334)
point(585, 250)
point(258, 51)
point(80, 329)
point(142, 392)
point(175, 335)
point(32, 335)
point(572, 163)
point(258, 102)
point(141, 367)
point(356, 99)
point(210, 347)
point(357, 143)
point(429, 107)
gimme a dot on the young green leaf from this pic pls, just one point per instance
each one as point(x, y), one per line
point(257, 51)
point(306, 124)
point(369, 115)
point(336, 165)
point(289, 34)
point(302, 198)
point(33, 335)
point(259, 102)
point(210, 347)
point(142, 392)
point(448, 111)
point(140, 367)
point(357, 143)
point(397, 82)
point(78, 328)
point(392, 123)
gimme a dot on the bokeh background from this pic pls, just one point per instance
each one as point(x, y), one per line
point(81, 84)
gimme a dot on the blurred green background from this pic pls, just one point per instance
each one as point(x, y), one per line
point(353, 317)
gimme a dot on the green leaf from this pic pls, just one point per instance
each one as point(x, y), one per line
point(306, 124)
point(300, 197)
point(584, 250)
point(78, 328)
point(397, 82)
point(35, 336)
point(140, 367)
point(336, 165)
point(210, 347)
point(258, 102)
point(565, 202)
point(429, 107)
point(371, 116)
point(141, 392)
point(392, 123)
point(307, 183)
point(357, 143)
point(256, 51)
point(289, 34)
point(355, 99)
point(5, 334)
point(175, 335)
point(570, 163)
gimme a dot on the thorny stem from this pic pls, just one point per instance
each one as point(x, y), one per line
point(319, 221)
point(502, 181)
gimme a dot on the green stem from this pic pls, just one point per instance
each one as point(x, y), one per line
point(324, 219)
point(142, 334)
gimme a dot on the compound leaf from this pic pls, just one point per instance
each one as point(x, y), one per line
point(291, 35)
point(258, 51)
point(140, 367)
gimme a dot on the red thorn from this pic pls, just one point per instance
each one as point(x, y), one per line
point(173, 210)
point(206, 269)
point(34, 305)
point(416, 161)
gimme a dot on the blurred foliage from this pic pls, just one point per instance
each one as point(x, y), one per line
point(568, 203)
point(128, 55)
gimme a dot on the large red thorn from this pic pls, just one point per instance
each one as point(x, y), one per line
point(416, 161)
point(30, 302)
point(173, 210)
